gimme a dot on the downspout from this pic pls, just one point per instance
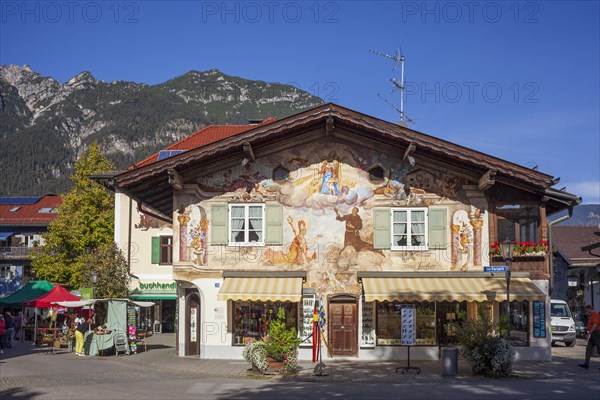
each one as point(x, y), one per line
point(129, 238)
point(551, 251)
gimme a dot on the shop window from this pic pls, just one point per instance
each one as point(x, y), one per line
point(518, 322)
point(409, 229)
point(389, 323)
point(251, 319)
point(246, 224)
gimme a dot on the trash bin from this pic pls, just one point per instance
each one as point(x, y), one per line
point(449, 361)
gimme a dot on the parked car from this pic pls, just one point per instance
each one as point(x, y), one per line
point(562, 325)
point(581, 324)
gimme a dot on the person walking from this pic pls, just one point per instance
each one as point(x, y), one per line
point(80, 336)
point(18, 324)
point(593, 335)
point(2, 333)
point(10, 330)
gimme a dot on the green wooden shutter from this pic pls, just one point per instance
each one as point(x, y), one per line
point(218, 224)
point(437, 228)
point(155, 249)
point(274, 224)
point(382, 234)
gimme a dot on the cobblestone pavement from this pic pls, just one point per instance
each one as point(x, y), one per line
point(27, 371)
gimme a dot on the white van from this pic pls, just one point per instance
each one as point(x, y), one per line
point(562, 325)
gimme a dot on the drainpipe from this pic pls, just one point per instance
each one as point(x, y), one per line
point(550, 225)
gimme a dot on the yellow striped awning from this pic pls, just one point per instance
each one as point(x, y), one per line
point(449, 289)
point(261, 289)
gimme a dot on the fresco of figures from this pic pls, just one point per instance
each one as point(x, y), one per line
point(328, 196)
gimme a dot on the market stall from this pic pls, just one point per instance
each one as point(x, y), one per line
point(115, 325)
point(49, 300)
point(31, 290)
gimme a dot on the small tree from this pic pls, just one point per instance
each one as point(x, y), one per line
point(281, 344)
point(85, 222)
point(113, 272)
point(484, 347)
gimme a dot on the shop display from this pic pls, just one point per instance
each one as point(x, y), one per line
point(308, 309)
point(251, 319)
point(389, 323)
point(367, 337)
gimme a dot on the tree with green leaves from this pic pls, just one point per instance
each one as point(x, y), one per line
point(84, 226)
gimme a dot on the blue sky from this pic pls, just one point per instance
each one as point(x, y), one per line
point(517, 80)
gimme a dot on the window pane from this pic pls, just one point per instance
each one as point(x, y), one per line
point(417, 216)
point(506, 230)
point(399, 216)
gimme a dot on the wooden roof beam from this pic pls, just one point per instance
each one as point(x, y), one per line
point(329, 126)
point(175, 179)
point(249, 153)
point(410, 149)
point(487, 180)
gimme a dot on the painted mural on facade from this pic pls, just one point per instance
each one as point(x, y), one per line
point(328, 197)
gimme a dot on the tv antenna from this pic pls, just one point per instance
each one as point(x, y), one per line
point(399, 58)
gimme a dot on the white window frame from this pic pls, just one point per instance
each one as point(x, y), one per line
point(246, 241)
point(409, 233)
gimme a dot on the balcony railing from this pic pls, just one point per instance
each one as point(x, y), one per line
point(15, 252)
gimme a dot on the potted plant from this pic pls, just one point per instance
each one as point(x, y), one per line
point(277, 351)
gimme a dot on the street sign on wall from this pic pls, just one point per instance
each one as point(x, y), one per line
point(495, 268)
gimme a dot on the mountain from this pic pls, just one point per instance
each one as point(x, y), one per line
point(583, 215)
point(45, 125)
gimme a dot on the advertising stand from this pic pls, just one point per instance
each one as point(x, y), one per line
point(408, 335)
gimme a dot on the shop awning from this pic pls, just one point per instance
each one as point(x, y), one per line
point(5, 235)
point(449, 289)
point(261, 289)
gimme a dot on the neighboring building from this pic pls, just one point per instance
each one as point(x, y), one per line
point(371, 216)
point(577, 266)
point(23, 221)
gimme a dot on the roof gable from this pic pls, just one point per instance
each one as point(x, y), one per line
point(328, 120)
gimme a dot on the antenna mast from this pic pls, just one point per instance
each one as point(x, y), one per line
point(399, 58)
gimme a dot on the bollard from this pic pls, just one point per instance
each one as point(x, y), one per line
point(449, 361)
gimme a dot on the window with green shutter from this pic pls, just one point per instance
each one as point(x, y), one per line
point(155, 250)
point(438, 227)
point(382, 228)
point(218, 224)
point(274, 224)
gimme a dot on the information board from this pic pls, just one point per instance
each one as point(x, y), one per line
point(308, 310)
point(408, 326)
point(539, 319)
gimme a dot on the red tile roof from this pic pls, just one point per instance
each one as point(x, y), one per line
point(28, 214)
point(204, 136)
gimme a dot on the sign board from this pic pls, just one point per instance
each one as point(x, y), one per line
point(408, 326)
point(572, 281)
point(495, 268)
point(539, 319)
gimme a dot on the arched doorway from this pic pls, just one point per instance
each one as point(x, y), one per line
point(343, 325)
point(192, 322)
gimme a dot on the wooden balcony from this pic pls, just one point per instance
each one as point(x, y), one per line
point(537, 266)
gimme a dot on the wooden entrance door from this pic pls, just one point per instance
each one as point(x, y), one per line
point(192, 326)
point(343, 328)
